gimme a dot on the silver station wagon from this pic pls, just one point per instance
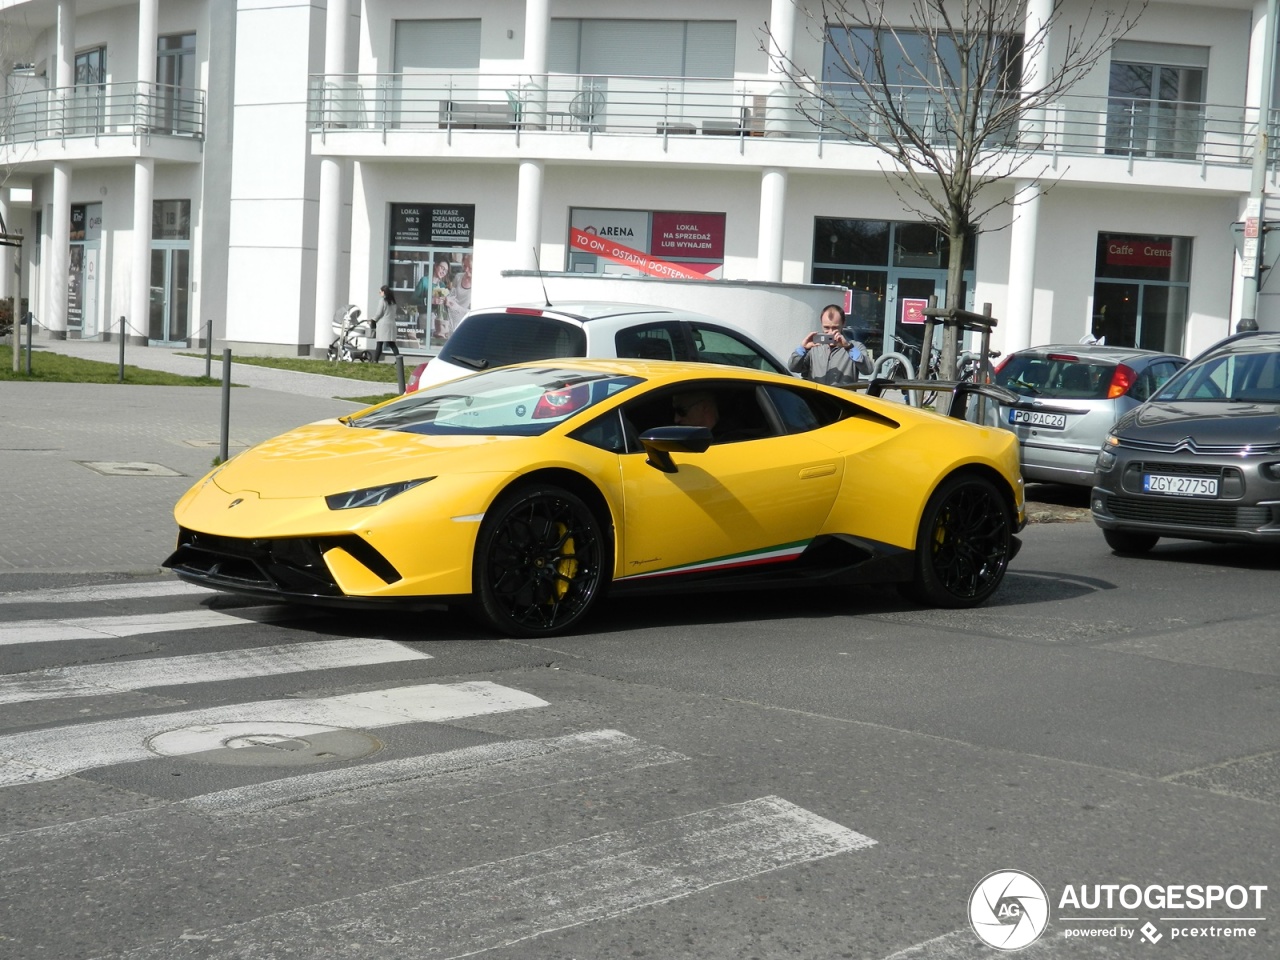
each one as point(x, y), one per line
point(1072, 394)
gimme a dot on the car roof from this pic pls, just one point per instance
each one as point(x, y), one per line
point(656, 371)
point(585, 311)
point(1096, 351)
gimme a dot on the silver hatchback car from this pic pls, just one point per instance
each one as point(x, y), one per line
point(1072, 394)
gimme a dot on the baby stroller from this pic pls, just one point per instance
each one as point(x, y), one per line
point(352, 340)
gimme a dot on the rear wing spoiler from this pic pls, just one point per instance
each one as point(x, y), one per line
point(968, 400)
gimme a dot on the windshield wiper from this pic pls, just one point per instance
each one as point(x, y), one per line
point(472, 362)
point(1025, 386)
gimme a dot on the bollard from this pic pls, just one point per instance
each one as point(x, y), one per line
point(208, 350)
point(226, 403)
point(400, 373)
point(31, 326)
point(122, 349)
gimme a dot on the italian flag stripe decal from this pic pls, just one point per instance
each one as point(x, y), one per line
point(749, 558)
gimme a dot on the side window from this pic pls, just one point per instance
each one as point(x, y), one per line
point(653, 342)
point(1153, 378)
point(732, 411)
point(607, 432)
point(801, 410)
point(796, 414)
point(717, 345)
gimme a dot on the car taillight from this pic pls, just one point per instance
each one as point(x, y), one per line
point(561, 403)
point(1064, 357)
point(1000, 366)
point(1121, 381)
point(524, 311)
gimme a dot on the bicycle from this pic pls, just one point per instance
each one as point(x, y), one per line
point(897, 365)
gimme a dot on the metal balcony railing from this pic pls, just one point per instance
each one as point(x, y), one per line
point(100, 110)
point(592, 105)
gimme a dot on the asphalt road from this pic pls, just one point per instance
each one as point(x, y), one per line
point(745, 776)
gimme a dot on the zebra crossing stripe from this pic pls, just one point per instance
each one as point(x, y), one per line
point(595, 753)
point(105, 678)
point(107, 591)
point(499, 904)
point(99, 628)
point(49, 754)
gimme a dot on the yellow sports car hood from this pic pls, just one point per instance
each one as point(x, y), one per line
point(329, 457)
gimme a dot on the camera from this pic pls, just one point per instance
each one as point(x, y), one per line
point(823, 338)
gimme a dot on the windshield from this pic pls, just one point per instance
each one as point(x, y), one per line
point(527, 401)
point(1235, 377)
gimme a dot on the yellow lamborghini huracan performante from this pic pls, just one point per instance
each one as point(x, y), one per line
point(527, 492)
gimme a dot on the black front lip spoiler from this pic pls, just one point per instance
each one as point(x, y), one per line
point(342, 601)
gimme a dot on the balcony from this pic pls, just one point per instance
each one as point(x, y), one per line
point(91, 119)
point(583, 108)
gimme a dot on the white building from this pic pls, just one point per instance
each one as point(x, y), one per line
point(285, 157)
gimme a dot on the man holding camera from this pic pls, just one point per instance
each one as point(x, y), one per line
point(828, 356)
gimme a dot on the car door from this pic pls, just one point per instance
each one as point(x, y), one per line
point(738, 503)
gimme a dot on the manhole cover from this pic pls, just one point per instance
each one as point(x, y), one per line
point(264, 744)
point(129, 468)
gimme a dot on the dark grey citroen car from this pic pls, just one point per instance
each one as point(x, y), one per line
point(1200, 460)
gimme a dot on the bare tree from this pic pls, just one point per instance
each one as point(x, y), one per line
point(952, 92)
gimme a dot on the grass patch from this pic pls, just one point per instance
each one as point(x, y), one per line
point(370, 400)
point(371, 372)
point(48, 367)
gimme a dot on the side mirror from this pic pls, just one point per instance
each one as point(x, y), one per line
point(660, 442)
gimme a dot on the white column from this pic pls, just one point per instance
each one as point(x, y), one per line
point(138, 321)
point(773, 203)
point(779, 114)
point(529, 214)
point(64, 74)
point(57, 266)
point(332, 170)
point(537, 22)
point(1016, 320)
point(148, 11)
point(8, 255)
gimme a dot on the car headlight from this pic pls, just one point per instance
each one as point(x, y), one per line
point(371, 496)
point(1106, 459)
point(1111, 441)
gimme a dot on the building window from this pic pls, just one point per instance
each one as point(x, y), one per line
point(892, 269)
point(642, 48)
point(430, 252)
point(171, 220)
point(176, 109)
point(87, 107)
point(1140, 290)
point(1155, 101)
point(437, 46)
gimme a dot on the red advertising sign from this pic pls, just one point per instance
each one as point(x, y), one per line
point(1140, 252)
point(688, 235)
point(612, 250)
point(913, 310)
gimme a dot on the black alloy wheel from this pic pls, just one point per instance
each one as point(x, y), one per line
point(540, 562)
point(962, 550)
point(1129, 541)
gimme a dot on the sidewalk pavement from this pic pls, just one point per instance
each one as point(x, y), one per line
point(63, 511)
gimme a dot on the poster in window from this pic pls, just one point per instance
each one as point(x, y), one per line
point(663, 243)
point(430, 269)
